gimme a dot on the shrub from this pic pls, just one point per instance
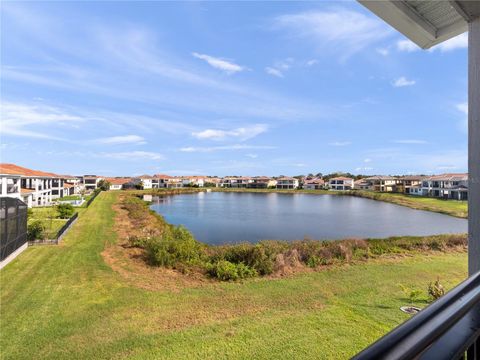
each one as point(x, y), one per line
point(65, 211)
point(226, 271)
point(136, 241)
point(29, 212)
point(35, 230)
point(436, 290)
point(174, 245)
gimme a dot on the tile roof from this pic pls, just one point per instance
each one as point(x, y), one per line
point(118, 181)
point(12, 169)
point(26, 191)
point(341, 178)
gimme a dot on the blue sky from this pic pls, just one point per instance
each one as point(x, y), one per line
point(218, 88)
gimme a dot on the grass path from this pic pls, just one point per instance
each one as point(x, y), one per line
point(64, 302)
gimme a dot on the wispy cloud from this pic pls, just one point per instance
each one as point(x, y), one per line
point(32, 120)
point(402, 81)
point(125, 139)
point(339, 143)
point(383, 51)
point(274, 72)
point(337, 28)
point(410, 141)
point(458, 42)
point(242, 133)
point(133, 155)
point(407, 46)
point(226, 148)
point(221, 64)
point(463, 107)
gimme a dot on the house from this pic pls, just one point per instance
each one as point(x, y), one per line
point(36, 188)
point(236, 182)
point(314, 184)
point(193, 181)
point(262, 182)
point(147, 181)
point(10, 185)
point(117, 183)
point(382, 183)
point(446, 186)
point(287, 183)
point(362, 184)
point(341, 183)
point(405, 184)
point(90, 182)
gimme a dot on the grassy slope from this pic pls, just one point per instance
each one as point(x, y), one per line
point(64, 302)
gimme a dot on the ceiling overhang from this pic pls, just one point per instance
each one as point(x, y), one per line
point(426, 22)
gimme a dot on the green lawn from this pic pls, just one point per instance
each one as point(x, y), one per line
point(64, 302)
point(450, 207)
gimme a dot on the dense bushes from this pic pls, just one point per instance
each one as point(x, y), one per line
point(175, 247)
point(35, 230)
point(226, 270)
point(65, 210)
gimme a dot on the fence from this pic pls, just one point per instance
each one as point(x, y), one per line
point(92, 198)
point(13, 225)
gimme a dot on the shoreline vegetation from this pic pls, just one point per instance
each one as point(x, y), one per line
point(91, 298)
point(174, 247)
point(456, 208)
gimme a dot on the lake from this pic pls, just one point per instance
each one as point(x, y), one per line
point(222, 217)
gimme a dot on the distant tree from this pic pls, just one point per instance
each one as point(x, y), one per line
point(35, 230)
point(104, 185)
point(319, 175)
point(139, 185)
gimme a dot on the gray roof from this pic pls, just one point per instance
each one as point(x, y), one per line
point(426, 22)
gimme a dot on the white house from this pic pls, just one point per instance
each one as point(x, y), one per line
point(446, 186)
point(90, 182)
point(341, 183)
point(36, 187)
point(286, 183)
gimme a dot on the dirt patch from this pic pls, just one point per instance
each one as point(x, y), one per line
point(130, 262)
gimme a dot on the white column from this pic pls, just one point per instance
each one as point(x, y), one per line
point(474, 146)
point(4, 186)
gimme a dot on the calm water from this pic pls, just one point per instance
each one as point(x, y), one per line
point(218, 218)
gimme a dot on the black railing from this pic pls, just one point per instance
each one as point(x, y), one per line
point(447, 329)
point(95, 194)
point(13, 225)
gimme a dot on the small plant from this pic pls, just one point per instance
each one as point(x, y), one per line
point(35, 230)
point(413, 295)
point(65, 211)
point(436, 290)
point(226, 271)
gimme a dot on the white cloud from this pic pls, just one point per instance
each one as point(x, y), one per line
point(458, 42)
point(19, 119)
point(403, 81)
point(407, 46)
point(312, 62)
point(226, 147)
point(242, 133)
point(252, 156)
point(410, 141)
point(125, 139)
point(274, 72)
point(340, 143)
point(221, 64)
point(367, 160)
point(383, 51)
point(463, 107)
point(339, 28)
point(133, 155)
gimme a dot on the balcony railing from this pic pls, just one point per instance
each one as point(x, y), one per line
point(447, 329)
